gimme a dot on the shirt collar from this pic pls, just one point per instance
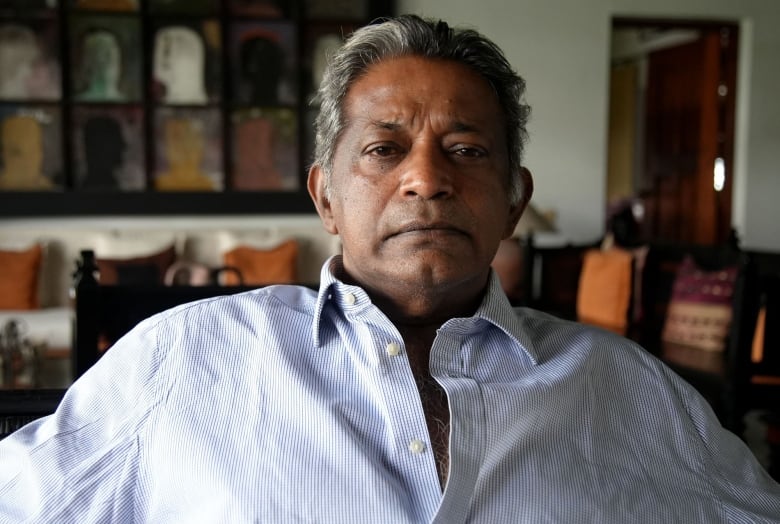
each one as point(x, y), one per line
point(495, 307)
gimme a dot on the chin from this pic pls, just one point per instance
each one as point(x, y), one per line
point(438, 274)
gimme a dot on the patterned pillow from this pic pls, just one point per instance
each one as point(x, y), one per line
point(699, 312)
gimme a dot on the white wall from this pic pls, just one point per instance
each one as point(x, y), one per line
point(561, 47)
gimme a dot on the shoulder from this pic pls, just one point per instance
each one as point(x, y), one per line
point(224, 326)
point(553, 337)
point(263, 301)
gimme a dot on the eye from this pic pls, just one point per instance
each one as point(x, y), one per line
point(382, 150)
point(469, 152)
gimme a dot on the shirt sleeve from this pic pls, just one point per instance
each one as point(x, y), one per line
point(745, 490)
point(75, 464)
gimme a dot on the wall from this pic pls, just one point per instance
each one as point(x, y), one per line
point(561, 47)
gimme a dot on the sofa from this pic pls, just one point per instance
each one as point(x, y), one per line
point(39, 263)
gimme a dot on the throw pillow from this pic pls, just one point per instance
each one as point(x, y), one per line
point(19, 278)
point(700, 309)
point(145, 270)
point(604, 289)
point(263, 266)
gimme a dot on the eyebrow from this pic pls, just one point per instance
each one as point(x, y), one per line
point(457, 126)
point(383, 124)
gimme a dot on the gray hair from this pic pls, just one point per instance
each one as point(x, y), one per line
point(411, 35)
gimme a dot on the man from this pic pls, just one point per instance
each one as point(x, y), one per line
point(407, 389)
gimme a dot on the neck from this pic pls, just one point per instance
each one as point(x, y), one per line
point(419, 310)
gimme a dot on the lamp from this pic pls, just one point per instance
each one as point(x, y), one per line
point(534, 221)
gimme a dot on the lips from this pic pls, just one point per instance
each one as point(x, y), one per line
point(427, 227)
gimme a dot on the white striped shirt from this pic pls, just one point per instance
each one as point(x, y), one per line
point(283, 405)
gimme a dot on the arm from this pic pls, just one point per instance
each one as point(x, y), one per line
point(78, 463)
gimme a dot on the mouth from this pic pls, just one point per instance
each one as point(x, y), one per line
point(428, 229)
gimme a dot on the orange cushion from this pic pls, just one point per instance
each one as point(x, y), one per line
point(263, 266)
point(699, 312)
point(143, 270)
point(19, 278)
point(604, 290)
point(757, 351)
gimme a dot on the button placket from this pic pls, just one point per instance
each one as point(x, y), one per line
point(393, 349)
point(417, 446)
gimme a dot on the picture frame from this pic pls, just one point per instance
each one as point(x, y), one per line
point(109, 151)
point(15, 6)
point(268, 9)
point(188, 150)
point(354, 10)
point(29, 66)
point(264, 63)
point(186, 62)
point(106, 5)
point(104, 55)
point(265, 150)
point(30, 148)
point(184, 7)
point(253, 150)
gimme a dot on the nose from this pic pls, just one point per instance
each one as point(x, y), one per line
point(426, 173)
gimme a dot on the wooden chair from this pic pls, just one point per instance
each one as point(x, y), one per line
point(20, 406)
point(513, 263)
point(763, 369)
point(554, 274)
point(720, 376)
point(106, 312)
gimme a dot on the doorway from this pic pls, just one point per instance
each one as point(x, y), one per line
point(671, 127)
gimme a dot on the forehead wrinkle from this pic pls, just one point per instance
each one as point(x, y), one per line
point(389, 125)
point(457, 126)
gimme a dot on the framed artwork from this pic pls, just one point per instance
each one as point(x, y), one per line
point(16, 5)
point(105, 59)
point(264, 58)
point(337, 9)
point(166, 106)
point(188, 154)
point(106, 5)
point(263, 8)
point(320, 41)
point(30, 148)
point(265, 150)
point(185, 7)
point(186, 63)
point(29, 67)
point(108, 148)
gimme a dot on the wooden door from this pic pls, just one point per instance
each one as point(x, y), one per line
point(689, 119)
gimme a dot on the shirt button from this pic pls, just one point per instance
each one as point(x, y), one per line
point(393, 349)
point(417, 446)
point(350, 299)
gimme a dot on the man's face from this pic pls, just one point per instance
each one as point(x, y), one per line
point(419, 189)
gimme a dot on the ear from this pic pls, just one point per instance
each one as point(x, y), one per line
point(316, 186)
point(516, 211)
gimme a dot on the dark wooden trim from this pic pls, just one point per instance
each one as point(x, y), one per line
point(36, 204)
